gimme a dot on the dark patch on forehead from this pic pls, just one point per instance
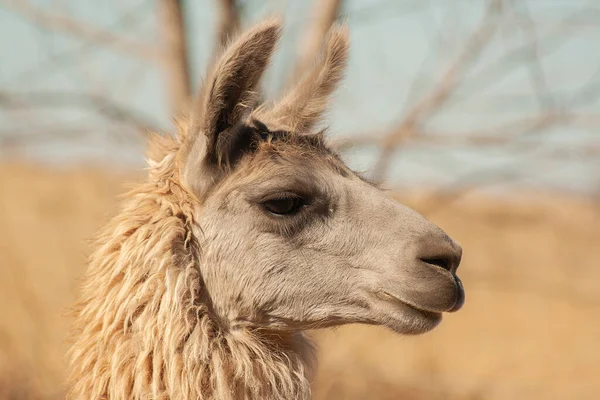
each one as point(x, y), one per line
point(266, 134)
point(311, 144)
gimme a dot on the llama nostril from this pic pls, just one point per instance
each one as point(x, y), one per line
point(443, 253)
point(439, 261)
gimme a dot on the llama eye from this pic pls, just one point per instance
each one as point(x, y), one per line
point(284, 206)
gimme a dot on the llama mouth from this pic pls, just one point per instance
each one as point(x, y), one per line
point(460, 295)
point(458, 302)
point(385, 295)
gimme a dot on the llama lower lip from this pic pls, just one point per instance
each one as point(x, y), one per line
point(460, 296)
point(389, 296)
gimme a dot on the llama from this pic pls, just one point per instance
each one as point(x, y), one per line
point(248, 231)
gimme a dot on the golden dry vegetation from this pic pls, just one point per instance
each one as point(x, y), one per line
point(530, 328)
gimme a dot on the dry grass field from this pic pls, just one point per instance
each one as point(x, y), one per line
point(530, 328)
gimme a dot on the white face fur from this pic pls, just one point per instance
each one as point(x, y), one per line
point(290, 237)
point(295, 241)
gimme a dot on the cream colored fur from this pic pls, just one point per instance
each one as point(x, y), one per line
point(200, 289)
point(144, 329)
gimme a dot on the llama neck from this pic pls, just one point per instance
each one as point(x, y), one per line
point(143, 328)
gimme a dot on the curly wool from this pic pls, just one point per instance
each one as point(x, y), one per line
point(144, 329)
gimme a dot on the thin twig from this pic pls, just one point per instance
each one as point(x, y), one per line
point(324, 14)
point(100, 104)
point(130, 18)
point(500, 134)
point(441, 92)
point(229, 22)
point(175, 59)
point(86, 31)
point(536, 70)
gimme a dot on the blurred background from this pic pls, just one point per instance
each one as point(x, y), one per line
point(481, 114)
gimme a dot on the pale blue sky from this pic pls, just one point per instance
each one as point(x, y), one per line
point(400, 49)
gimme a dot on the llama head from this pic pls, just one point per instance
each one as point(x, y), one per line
point(290, 238)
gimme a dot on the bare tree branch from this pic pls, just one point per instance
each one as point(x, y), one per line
point(500, 134)
point(175, 58)
point(63, 23)
point(536, 71)
point(552, 40)
point(441, 92)
point(324, 14)
point(100, 104)
point(57, 61)
point(10, 139)
point(229, 21)
point(379, 11)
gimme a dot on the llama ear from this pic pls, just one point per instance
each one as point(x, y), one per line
point(306, 102)
point(226, 99)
